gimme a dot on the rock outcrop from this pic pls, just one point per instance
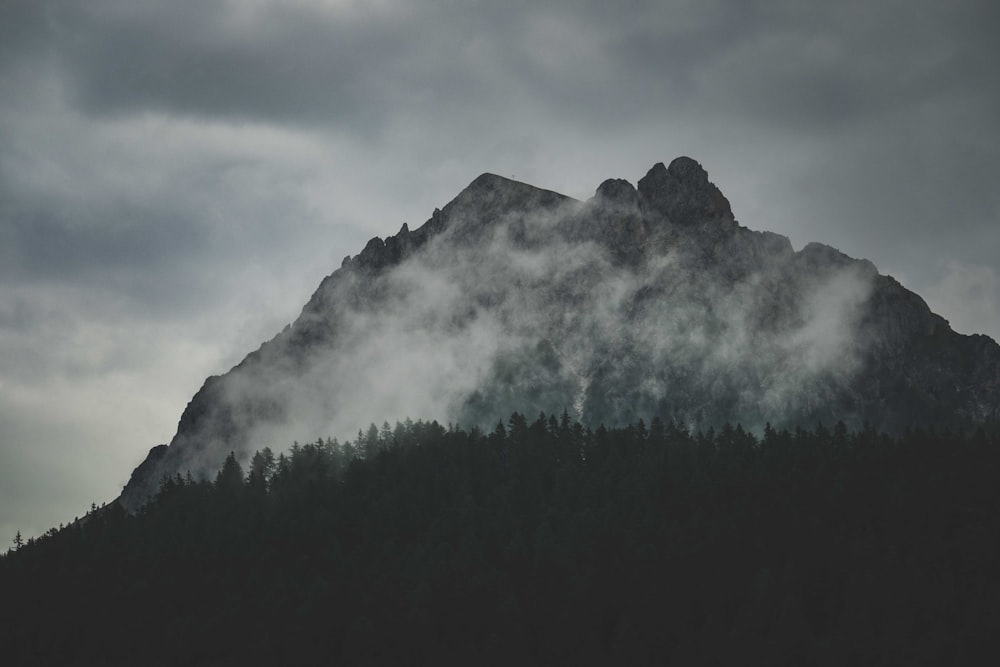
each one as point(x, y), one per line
point(683, 194)
point(642, 301)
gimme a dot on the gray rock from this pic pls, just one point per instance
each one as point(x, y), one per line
point(683, 194)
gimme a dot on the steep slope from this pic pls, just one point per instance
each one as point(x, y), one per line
point(639, 302)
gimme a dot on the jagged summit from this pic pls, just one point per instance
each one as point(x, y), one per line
point(617, 190)
point(491, 198)
point(489, 192)
point(643, 301)
point(682, 193)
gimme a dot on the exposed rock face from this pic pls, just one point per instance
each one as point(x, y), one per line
point(619, 193)
point(639, 302)
point(683, 194)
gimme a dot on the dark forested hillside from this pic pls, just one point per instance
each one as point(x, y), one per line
point(540, 543)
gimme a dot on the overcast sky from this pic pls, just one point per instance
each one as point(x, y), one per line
point(176, 177)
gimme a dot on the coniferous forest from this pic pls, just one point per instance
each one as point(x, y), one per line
point(541, 543)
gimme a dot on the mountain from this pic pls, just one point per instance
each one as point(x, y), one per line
point(642, 301)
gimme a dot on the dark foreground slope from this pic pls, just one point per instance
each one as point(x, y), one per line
point(540, 544)
point(643, 300)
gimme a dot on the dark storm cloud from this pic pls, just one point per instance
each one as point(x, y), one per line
point(176, 177)
point(311, 63)
point(328, 62)
point(772, 66)
point(142, 239)
point(196, 57)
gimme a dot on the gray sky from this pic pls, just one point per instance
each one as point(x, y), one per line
point(177, 177)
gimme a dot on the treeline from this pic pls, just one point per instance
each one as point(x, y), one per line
point(542, 542)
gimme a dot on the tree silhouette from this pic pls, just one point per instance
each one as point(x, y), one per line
point(544, 543)
point(230, 476)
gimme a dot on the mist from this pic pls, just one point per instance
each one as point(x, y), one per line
point(516, 299)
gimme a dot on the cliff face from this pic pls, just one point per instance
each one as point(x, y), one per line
point(642, 301)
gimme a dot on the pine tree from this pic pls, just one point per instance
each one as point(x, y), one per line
point(230, 477)
point(262, 467)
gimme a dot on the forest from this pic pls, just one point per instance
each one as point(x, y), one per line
point(542, 542)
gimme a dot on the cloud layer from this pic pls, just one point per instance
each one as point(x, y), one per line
point(175, 178)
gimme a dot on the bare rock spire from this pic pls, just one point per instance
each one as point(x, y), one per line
point(683, 194)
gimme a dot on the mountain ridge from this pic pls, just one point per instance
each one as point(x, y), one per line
point(643, 300)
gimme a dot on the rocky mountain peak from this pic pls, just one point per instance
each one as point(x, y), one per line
point(683, 194)
point(685, 169)
point(647, 301)
point(485, 183)
point(489, 201)
point(491, 194)
point(617, 191)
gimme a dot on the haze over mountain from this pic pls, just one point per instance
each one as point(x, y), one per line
point(642, 301)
